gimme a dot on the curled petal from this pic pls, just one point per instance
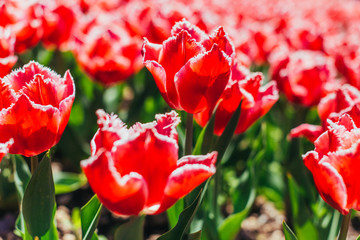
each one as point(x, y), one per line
point(190, 172)
point(166, 124)
point(328, 181)
point(311, 132)
point(122, 194)
point(195, 32)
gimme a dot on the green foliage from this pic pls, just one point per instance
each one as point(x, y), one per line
point(180, 230)
point(289, 234)
point(133, 229)
point(90, 215)
point(39, 200)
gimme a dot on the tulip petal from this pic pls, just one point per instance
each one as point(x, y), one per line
point(311, 132)
point(122, 194)
point(146, 153)
point(202, 80)
point(190, 172)
point(166, 124)
point(175, 53)
point(328, 181)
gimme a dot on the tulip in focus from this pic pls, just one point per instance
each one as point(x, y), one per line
point(257, 100)
point(35, 108)
point(137, 170)
point(191, 69)
point(335, 164)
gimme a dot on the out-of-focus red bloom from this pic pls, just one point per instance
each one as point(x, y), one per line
point(344, 100)
point(4, 148)
point(137, 170)
point(24, 20)
point(304, 76)
point(58, 22)
point(7, 57)
point(257, 101)
point(335, 164)
point(108, 53)
point(34, 108)
point(190, 68)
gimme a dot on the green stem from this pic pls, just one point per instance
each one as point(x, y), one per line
point(188, 134)
point(344, 226)
point(34, 161)
point(217, 181)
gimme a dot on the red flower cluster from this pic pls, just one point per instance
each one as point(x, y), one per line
point(191, 69)
point(257, 100)
point(35, 105)
point(140, 165)
point(334, 164)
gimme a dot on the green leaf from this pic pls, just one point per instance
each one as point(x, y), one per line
point(68, 182)
point(358, 238)
point(225, 138)
point(185, 219)
point(247, 191)
point(52, 234)
point(303, 225)
point(90, 215)
point(22, 174)
point(204, 141)
point(39, 199)
point(289, 234)
point(174, 212)
point(133, 229)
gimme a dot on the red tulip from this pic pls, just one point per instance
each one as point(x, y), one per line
point(58, 22)
point(24, 20)
point(7, 57)
point(190, 68)
point(137, 170)
point(108, 53)
point(335, 164)
point(35, 108)
point(344, 100)
point(304, 76)
point(257, 101)
point(4, 148)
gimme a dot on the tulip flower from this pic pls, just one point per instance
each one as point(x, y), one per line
point(334, 164)
point(344, 100)
point(136, 170)
point(304, 76)
point(35, 108)
point(190, 68)
point(257, 100)
point(108, 53)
